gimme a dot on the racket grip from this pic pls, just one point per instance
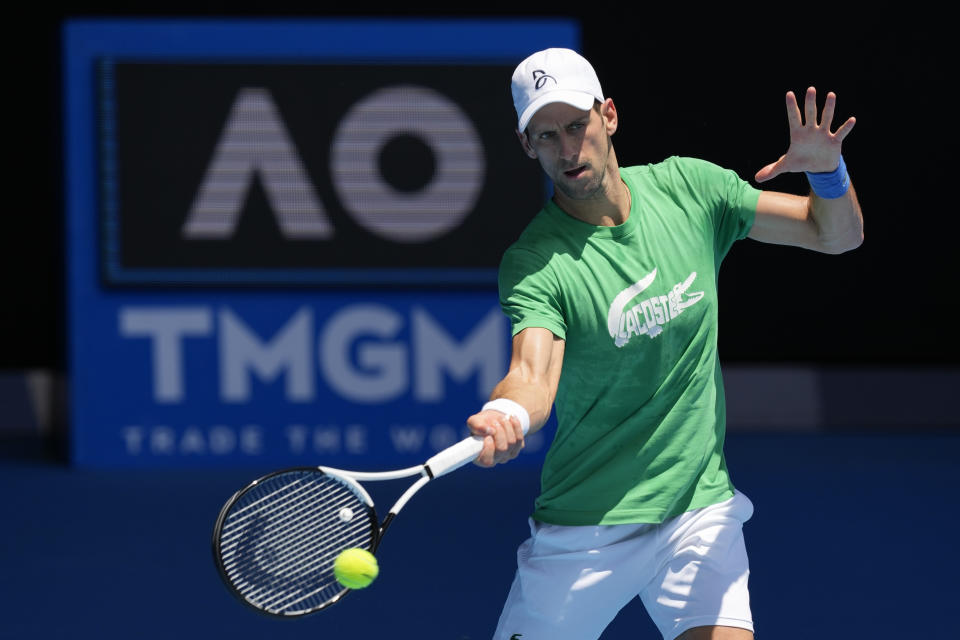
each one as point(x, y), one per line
point(454, 457)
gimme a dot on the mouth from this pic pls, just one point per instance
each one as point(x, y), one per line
point(575, 172)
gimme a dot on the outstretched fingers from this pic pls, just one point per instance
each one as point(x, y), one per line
point(794, 117)
point(845, 129)
point(826, 118)
point(770, 171)
point(810, 107)
point(813, 147)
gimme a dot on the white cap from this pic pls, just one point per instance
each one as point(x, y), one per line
point(553, 75)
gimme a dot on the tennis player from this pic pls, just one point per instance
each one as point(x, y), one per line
point(612, 295)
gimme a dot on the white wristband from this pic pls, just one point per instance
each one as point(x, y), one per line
point(512, 409)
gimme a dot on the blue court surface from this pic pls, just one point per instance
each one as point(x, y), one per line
point(854, 536)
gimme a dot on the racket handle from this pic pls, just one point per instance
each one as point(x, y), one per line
point(454, 457)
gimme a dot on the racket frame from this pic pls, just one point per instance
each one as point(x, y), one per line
point(442, 463)
point(376, 531)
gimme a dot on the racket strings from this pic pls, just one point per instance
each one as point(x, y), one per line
point(303, 547)
point(289, 501)
point(299, 507)
point(291, 551)
point(279, 540)
point(252, 501)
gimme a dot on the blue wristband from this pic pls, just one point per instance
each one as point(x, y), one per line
point(830, 184)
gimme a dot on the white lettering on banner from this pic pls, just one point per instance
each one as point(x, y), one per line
point(166, 327)
point(443, 436)
point(407, 438)
point(241, 351)
point(484, 350)
point(327, 439)
point(383, 373)
point(321, 440)
point(411, 438)
point(360, 353)
point(218, 440)
point(255, 142)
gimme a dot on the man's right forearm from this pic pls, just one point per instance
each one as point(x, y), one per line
point(534, 374)
point(534, 398)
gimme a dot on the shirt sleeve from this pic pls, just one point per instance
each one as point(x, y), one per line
point(729, 201)
point(736, 212)
point(529, 292)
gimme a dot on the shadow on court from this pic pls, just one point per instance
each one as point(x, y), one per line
point(851, 537)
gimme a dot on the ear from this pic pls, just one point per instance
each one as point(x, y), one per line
point(525, 143)
point(608, 111)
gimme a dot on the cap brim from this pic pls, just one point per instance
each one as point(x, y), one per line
point(577, 99)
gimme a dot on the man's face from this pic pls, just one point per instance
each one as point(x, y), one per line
point(573, 146)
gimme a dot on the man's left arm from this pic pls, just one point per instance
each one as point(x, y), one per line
point(829, 219)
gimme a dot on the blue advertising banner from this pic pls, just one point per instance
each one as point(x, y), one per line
point(209, 378)
point(273, 256)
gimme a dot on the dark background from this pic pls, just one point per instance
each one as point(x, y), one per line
point(686, 82)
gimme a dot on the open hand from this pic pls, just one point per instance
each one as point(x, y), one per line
point(813, 147)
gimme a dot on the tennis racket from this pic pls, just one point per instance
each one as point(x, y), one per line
point(275, 540)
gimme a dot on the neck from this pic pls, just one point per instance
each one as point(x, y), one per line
point(608, 207)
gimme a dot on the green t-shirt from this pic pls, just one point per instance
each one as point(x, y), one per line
point(640, 405)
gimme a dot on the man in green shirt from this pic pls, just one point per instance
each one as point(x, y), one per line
point(612, 295)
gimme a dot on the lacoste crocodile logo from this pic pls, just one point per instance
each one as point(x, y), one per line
point(650, 315)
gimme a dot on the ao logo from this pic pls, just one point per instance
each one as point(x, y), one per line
point(255, 141)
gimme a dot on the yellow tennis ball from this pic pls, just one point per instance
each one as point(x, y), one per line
point(355, 568)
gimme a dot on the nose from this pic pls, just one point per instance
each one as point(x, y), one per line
point(569, 147)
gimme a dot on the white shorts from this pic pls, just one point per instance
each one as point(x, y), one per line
point(689, 571)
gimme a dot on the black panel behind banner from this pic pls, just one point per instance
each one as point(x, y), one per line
point(309, 173)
